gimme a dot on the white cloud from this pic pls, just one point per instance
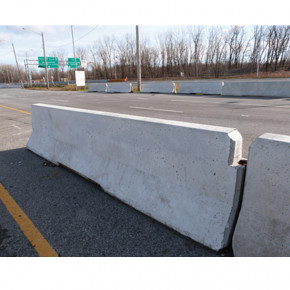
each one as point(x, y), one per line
point(4, 37)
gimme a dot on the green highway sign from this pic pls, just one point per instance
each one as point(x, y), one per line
point(71, 62)
point(51, 62)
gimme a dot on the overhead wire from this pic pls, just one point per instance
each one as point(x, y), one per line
point(86, 33)
point(53, 46)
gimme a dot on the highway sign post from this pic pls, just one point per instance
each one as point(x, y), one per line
point(52, 62)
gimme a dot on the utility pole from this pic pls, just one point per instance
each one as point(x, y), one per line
point(138, 59)
point(72, 34)
point(43, 46)
point(46, 72)
point(28, 71)
point(20, 78)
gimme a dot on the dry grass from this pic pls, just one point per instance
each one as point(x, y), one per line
point(60, 88)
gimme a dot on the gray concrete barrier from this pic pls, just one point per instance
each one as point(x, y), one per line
point(257, 88)
point(182, 174)
point(99, 87)
point(119, 87)
point(206, 88)
point(263, 227)
point(159, 87)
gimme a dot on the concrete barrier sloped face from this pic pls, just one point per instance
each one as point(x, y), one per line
point(159, 87)
point(119, 87)
point(263, 227)
point(99, 87)
point(257, 88)
point(182, 174)
point(207, 88)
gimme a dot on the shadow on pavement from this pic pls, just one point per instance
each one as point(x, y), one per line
point(77, 218)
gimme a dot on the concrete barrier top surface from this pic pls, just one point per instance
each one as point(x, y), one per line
point(263, 227)
point(182, 174)
point(141, 118)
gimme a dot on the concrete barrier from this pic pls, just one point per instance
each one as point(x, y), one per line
point(182, 174)
point(99, 87)
point(206, 88)
point(159, 87)
point(119, 88)
point(263, 227)
point(257, 88)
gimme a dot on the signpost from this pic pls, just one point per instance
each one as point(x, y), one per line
point(52, 62)
point(71, 62)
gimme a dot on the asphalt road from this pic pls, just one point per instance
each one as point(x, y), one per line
point(73, 214)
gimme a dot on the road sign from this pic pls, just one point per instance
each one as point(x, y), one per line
point(80, 78)
point(84, 63)
point(71, 62)
point(51, 62)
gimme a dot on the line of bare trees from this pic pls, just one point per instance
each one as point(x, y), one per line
point(196, 52)
point(9, 74)
point(192, 52)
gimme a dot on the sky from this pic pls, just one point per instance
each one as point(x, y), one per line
point(93, 20)
point(28, 41)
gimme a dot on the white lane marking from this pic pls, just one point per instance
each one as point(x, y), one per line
point(191, 101)
point(17, 127)
point(255, 105)
point(142, 99)
point(238, 104)
point(64, 101)
point(21, 133)
point(153, 109)
point(245, 116)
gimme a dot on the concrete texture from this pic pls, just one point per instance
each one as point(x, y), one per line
point(206, 88)
point(257, 88)
point(159, 87)
point(263, 227)
point(78, 218)
point(119, 88)
point(98, 87)
point(182, 174)
point(251, 116)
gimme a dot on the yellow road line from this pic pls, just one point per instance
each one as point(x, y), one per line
point(36, 239)
point(16, 110)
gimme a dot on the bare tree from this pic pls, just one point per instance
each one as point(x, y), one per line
point(197, 48)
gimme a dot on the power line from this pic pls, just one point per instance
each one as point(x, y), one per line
point(53, 46)
point(87, 33)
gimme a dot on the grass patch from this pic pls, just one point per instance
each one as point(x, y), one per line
point(59, 88)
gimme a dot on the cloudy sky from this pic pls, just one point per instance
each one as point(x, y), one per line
point(28, 41)
point(92, 20)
